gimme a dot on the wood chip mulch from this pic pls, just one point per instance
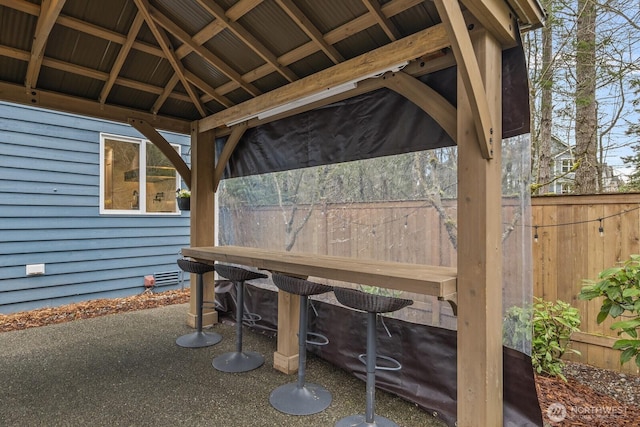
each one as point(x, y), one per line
point(86, 310)
point(571, 403)
point(576, 404)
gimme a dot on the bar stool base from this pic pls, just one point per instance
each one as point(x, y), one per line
point(199, 339)
point(238, 361)
point(360, 421)
point(306, 400)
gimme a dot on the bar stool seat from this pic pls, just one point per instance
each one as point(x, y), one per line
point(239, 360)
point(199, 338)
point(301, 398)
point(373, 305)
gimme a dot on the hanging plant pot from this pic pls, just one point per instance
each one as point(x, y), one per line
point(184, 203)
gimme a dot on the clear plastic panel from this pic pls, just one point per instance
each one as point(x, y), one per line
point(399, 208)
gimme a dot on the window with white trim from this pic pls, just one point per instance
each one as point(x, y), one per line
point(136, 177)
point(567, 164)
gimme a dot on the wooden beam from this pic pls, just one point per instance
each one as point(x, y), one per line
point(55, 101)
point(168, 89)
point(227, 151)
point(167, 149)
point(365, 86)
point(203, 219)
point(241, 8)
point(452, 18)
point(49, 11)
point(430, 101)
point(310, 30)
point(426, 41)
point(385, 23)
point(206, 88)
point(247, 38)
point(204, 53)
point(480, 367)
point(122, 56)
point(165, 45)
point(496, 16)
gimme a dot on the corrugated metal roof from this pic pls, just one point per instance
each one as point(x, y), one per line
point(260, 45)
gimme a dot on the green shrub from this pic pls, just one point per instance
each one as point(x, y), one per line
point(549, 326)
point(620, 287)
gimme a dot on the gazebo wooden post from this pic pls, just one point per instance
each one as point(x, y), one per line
point(202, 211)
point(480, 393)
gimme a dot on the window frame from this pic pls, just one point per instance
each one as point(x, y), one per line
point(142, 167)
point(566, 165)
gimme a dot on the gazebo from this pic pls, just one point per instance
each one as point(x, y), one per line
point(220, 70)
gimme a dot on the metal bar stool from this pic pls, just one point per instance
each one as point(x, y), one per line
point(301, 398)
point(372, 304)
point(198, 338)
point(238, 361)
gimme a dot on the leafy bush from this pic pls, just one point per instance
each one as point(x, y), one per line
point(516, 327)
point(620, 287)
point(549, 326)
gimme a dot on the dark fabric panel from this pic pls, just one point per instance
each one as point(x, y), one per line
point(428, 356)
point(376, 124)
point(516, 115)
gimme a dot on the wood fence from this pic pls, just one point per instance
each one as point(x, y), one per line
point(568, 250)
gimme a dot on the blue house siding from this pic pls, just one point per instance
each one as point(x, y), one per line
point(49, 214)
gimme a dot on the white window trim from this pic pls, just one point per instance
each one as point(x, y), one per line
point(142, 199)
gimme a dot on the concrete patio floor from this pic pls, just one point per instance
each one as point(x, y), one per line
point(126, 370)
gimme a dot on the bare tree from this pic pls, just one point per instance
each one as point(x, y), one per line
point(585, 99)
point(546, 109)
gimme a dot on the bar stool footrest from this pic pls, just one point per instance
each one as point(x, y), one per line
point(394, 365)
point(250, 318)
point(320, 339)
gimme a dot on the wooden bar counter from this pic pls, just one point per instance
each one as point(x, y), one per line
point(418, 278)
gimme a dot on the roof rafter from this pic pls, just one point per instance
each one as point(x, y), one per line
point(168, 89)
point(49, 11)
point(218, 12)
point(122, 56)
point(89, 72)
point(82, 26)
point(201, 37)
point(165, 44)
point(361, 23)
point(387, 26)
point(241, 8)
point(310, 29)
point(204, 53)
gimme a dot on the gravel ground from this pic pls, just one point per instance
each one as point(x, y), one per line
point(624, 388)
point(587, 389)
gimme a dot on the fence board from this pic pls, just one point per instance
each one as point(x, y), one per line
point(569, 247)
point(570, 253)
